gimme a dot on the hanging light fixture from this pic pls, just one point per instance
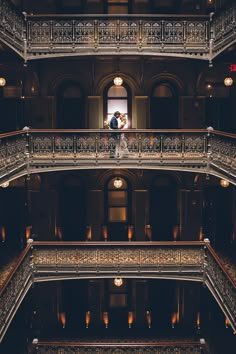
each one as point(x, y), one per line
point(228, 81)
point(118, 81)
point(118, 282)
point(118, 183)
point(5, 184)
point(224, 183)
point(2, 81)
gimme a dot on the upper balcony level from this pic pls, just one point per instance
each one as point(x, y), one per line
point(50, 36)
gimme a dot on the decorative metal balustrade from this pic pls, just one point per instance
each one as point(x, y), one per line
point(83, 35)
point(223, 29)
point(43, 36)
point(34, 151)
point(137, 348)
point(45, 261)
point(14, 290)
point(12, 28)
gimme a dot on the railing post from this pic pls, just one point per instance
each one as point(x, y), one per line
point(96, 145)
point(95, 34)
point(209, 150)
point(27, 150)
point(207, 241)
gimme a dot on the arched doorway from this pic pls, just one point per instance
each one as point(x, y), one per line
point(163, 208)
point(72, 209)
point(70, 107)
point(164, 106)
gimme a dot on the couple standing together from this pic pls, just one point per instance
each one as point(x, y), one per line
point(118, 121)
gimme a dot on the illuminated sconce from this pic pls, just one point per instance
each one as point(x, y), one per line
point(175, 232)
point(2, 82)
point(87, 318)
point(200, 234)
point(227, 323)
point(118, 282)
point(28, 230)
point(118, 81)
point(148, 318)
point(224, 183)
point(105, 232)
point(173, 319)
point(148, 232)
point(58, 233)
point(198, 320)
point(105, 319)
point(228, 81)
point(5, 184)
point(89, 233)
point(62, 318)
point(209, 87)
point(130, 318)
point(130, 232)
point(3, 234)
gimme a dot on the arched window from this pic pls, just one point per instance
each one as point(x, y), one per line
point(117, 98)
point(164, 106)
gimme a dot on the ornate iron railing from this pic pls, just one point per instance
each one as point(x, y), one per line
point(223, 29)
point(136, 348)
point(90, 34)
point(138, 259)
point(33, 151)
point(44, 261)
point(198, 37)
point(14, 290)
point(12, 28)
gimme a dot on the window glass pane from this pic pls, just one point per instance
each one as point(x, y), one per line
point(117, 9)
point(162, 91)
point(117, 214)
point(118, 300)
point(117, 105)
point(117, 198)
point(117, 91)
point(118, 1)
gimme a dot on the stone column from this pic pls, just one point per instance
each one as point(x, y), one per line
point(94, 112)
point(141, 114)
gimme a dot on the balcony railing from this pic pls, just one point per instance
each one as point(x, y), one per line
point(34, 151)
point(154, 35)
point(150, 347)
point(43, 36)
point(77, 260)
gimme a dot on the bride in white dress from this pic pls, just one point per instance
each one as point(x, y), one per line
point(121, 150)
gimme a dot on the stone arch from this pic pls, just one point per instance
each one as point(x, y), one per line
point(164, 109)
point(106, 80)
